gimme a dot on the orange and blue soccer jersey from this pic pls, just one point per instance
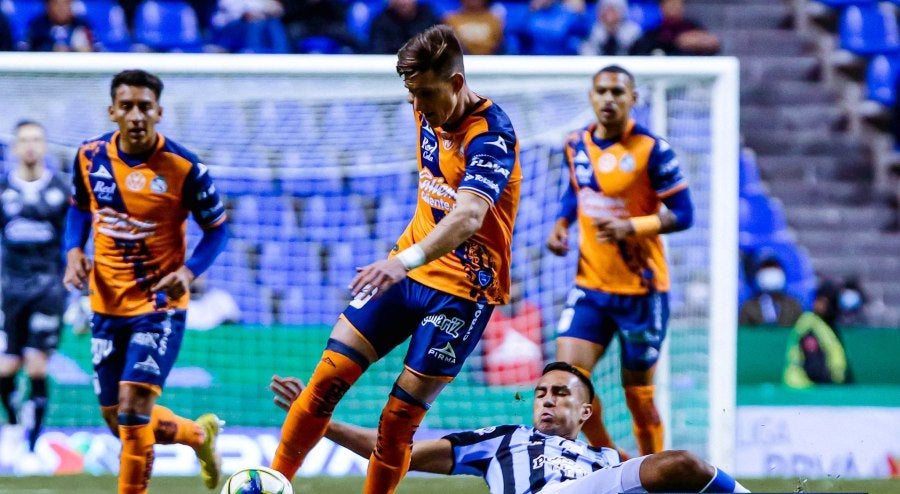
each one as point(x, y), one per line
point(481, 157)
point(623, 178)
point(139, 207)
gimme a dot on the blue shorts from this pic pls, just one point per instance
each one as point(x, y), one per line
point(139, 349)
point(639, 322)
point(444, 328)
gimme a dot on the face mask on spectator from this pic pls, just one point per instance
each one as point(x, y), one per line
point(770, 279)
point(850, 300)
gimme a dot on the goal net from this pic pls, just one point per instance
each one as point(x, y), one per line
point(315, 156)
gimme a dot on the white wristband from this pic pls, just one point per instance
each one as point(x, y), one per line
point(412, 257)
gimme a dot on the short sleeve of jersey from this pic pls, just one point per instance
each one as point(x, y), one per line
point(80, 195)
point(474, 450)
point(201, 198)
point(490, 158)
point(664, 169)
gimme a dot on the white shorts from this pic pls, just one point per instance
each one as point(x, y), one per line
point(622, 478)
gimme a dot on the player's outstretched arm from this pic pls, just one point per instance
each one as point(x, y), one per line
point(432, 456)
point(459, 224)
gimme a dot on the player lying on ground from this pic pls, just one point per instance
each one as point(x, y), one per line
point(545, 457)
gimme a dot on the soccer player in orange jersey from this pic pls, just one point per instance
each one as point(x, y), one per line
point(619, 177)
point(135, 189)
point(447, 271)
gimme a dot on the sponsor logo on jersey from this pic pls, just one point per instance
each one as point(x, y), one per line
point(435, 191)
point(449, 325)
point(100, 349)
point(158, 185)
point(202, 169)
point(566, 467)
point(135, 181)
point(581, 158)
point(486, 181)
point(101, 172)
point(444, 354)
point(583, 174)
point(144, 339)
point(485, 161)
point(500, 143)
point(103, 191)
point(429, 148)
point(485, 430)
point(148, 365)
point(43, 323)
point(28, 231)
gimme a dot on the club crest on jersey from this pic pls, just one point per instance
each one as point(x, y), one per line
point(607, 162)
point(135, 181)
point(159, 185)
point(484, 278)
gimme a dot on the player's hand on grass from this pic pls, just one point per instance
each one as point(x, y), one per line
point(175, 284)
point(374, 279)
point(611, 229)
point(558, 241)
point(286, 389)
point(78, 267)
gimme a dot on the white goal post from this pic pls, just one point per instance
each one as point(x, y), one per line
point(677, 92)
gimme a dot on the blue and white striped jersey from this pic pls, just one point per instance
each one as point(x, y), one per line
point(515, 459)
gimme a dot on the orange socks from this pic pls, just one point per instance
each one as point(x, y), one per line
point(172, 429)
point(594, 429)
point(647, 426)
point(308, 418)
point(393, 449)
point(136, 461)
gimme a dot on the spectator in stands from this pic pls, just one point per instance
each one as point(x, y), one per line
point(398, 22)
point(6, 37)
point(852, 302)
point(676, 35)
point(771, 305)
point(552, 27)
point(815, 354)
point(305, 19)
point(202, 8)
point(479, 29)
point(249, 26)
point(613, 32)
point(59, 29)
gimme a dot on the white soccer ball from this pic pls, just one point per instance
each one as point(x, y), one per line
point(257, 480)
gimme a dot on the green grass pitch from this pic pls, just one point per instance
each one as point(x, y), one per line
point(83, 484)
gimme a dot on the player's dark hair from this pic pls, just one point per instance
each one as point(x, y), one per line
point(435, 49)
point(138, 78)
point(616, 69)
point(26, 122)
point(566, 367)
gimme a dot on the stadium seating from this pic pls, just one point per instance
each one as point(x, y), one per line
point(646, 13)
point(869, 29)
point(107, 19)
point(20, 13)
point(762, 220)
point(882, 77)
point(748, 174)
point(167, 25)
